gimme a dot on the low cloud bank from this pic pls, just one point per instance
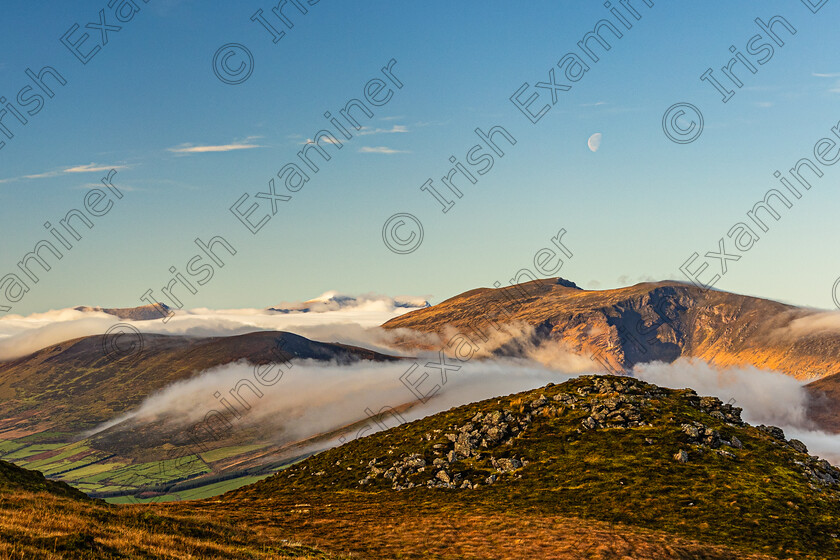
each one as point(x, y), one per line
point(312, 398)
point(767, 397)
point(352, 321)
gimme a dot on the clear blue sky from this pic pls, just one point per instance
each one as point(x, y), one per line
point(148, 102)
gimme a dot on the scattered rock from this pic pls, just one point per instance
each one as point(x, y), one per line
point(773, 431)
point(681, 456)
point(725, 453)
point(798, 446)
point(691, 431)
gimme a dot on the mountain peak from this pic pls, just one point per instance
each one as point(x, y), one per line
point(142, 313)
point(568, 284)
point(335, 301)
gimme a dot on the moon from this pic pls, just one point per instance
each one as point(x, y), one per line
point(594, 142)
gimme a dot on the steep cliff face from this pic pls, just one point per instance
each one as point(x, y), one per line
point(642, 323)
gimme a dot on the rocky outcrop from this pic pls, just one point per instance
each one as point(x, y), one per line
point(476, 453)
point(477, 439)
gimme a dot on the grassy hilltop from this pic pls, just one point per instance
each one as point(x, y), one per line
point(596, 467)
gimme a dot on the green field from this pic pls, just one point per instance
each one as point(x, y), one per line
point(7, 446)
point(227, 452)
point(19, 455)
point(95, 472)
point(90, 471)
point(199, 493)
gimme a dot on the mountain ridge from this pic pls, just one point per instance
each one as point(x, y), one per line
point(646, 322)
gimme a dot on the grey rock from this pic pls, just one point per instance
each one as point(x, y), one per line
point(506, 465)
point(798, 446)
point(725, 453)
point(691, 431)
point(539, 402)
point(773, 431)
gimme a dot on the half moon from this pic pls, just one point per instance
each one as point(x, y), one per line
point(594, 142)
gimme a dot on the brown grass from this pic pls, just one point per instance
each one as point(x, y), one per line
point(373, 528)
point(44, 526)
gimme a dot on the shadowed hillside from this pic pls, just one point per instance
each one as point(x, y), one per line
point(75, 385)
point(52, 397)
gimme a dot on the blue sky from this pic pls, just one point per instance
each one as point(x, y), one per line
point(149, 105)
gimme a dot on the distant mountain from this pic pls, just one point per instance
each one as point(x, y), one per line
point(334, 301)
point(76, 385)
point(824, 407)
point(50, 400)
point(646, 322)
point(143, 313)
point(596, 467)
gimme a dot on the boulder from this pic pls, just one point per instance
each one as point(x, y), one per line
point(798, 446)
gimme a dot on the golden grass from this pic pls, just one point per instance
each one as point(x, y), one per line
point(44, 526)
point(373, 528)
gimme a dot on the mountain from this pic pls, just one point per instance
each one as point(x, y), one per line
point(824, 408)
point(646, 322)
point(49, 401)
point(334, 301)
point(596, 467)
point(142, 313)
point(75, 385)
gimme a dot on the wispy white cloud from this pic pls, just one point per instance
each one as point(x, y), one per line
point(381, 150)
point(187, 148)
point(39, 175)
point(832, 75)
point(327, 139)
point(431, 123)
point(89, 186)
point(596, 104)
point(190, 149)
point(93, 168)
point(87, 168)
point(396, 129)
point(764, 104)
